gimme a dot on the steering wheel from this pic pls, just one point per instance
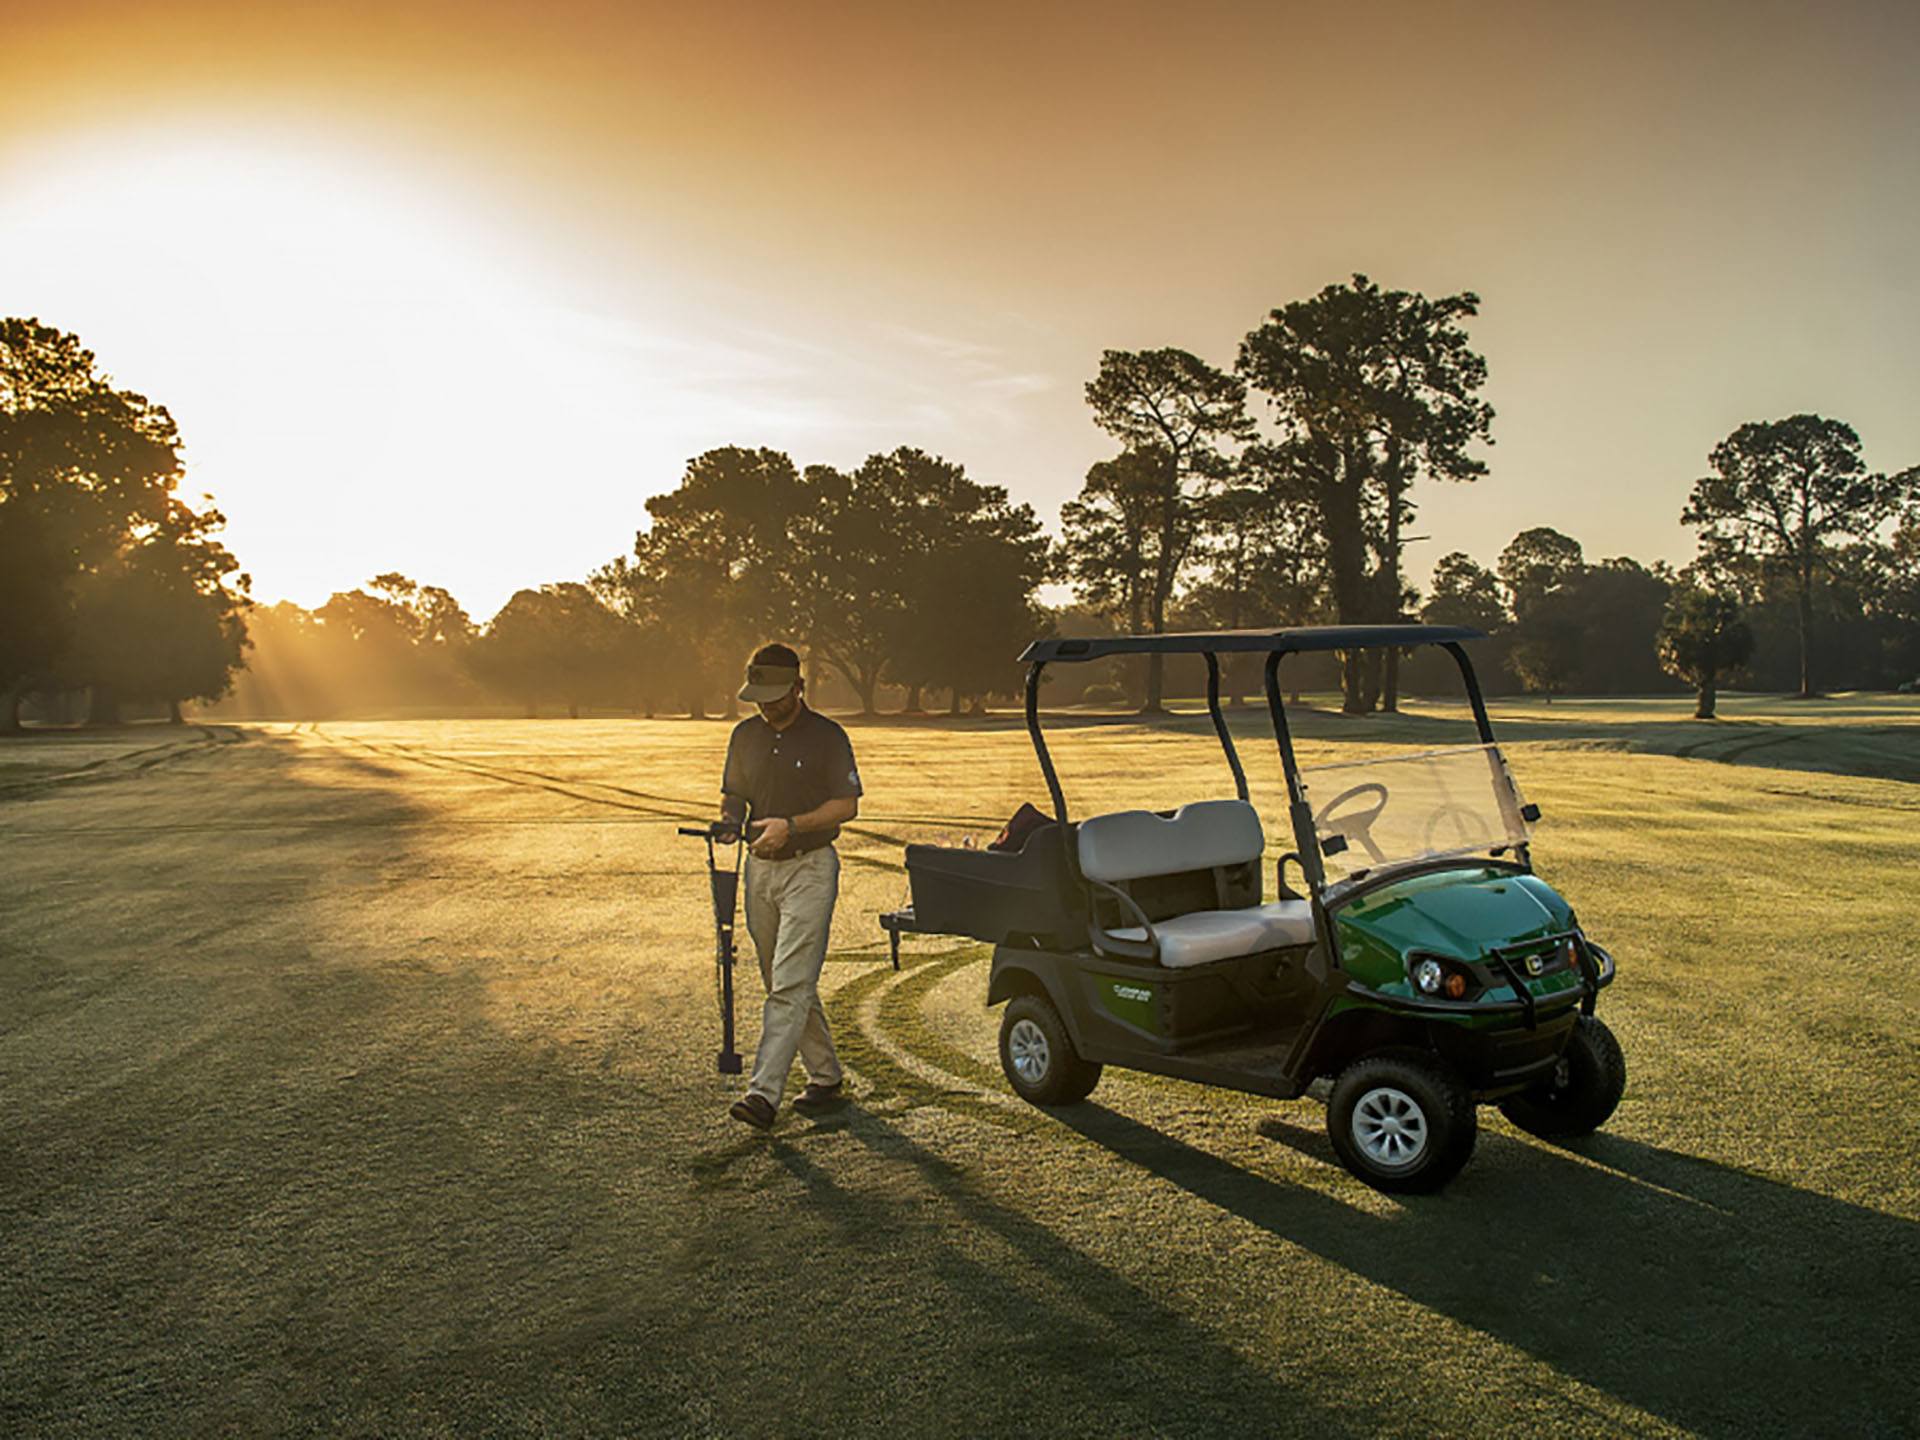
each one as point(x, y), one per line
point(1466, 828)
point(1359, 826)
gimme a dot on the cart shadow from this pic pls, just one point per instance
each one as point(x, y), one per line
point(1721, 1301)
point(1048, 1313)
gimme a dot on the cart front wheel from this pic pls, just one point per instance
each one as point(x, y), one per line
point(1580, 1094)
point(1038, 1057)
point(1401, 1123)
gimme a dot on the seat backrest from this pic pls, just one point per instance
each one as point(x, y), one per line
point(1131, 844)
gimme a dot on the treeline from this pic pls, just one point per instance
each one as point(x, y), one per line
point(902, 571)
point(1279, 490)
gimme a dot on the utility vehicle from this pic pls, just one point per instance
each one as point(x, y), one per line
point(1419, 965)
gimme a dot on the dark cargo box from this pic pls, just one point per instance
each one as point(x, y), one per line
point(995, 894)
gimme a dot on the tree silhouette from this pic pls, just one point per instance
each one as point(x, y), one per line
point(711, 575)
point(557, 643)
point(1784, 493)
point(1701, 639)
point(969, 561)
point(1465, 592)
point(93, 535)
point(1111, 536)
point(1174, 405)
point(1370, 390)
point(1540, 568)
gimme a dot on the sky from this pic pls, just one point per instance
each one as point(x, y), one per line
point(452, 289)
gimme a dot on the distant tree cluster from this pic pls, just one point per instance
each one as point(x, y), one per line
point(110, 583)
point(1366, 392)
point(903, 570)
point(1808, 573)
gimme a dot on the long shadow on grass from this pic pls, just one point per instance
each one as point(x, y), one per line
point(1721, 1301)
point(1103, 1347)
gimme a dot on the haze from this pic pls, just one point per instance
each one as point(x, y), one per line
point(452, 289)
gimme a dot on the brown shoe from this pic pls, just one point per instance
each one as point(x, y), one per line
point(754, 1110)
point(817, 1097)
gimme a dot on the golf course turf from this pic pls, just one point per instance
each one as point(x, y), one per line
point(358, 1078)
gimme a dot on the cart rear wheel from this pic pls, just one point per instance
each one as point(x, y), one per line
point(1581, 1093)
point(1401, 1122)
point(1038, 1057)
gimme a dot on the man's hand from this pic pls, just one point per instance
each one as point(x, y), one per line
point(772, 836)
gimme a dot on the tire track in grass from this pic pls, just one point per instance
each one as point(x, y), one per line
point(131, 762)
point(686, 809)
point(894, 1072)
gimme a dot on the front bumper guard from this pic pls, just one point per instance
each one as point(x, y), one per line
point(1596, 973)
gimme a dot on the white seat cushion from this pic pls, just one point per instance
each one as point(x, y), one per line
point(1218, 934)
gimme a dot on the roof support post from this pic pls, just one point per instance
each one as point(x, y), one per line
point(1480, 720)
point(1046, 762)
point(1220, 724)
point(1305, 841)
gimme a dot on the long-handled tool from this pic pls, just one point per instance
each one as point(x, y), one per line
point(726, 894)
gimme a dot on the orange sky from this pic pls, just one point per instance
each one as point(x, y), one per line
point(451, 289)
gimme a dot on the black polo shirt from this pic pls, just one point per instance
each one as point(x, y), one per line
point(784, 773)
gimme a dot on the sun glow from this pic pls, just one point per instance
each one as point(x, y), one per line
point(360, 355)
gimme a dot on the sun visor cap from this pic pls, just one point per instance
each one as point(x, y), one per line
point(769, 682)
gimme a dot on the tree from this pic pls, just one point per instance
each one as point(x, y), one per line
point(968, 562)
point(712, 574)
point(157, 623)
point(846, 571)
point(1701, 639)
point(556, 643)
point(1783, 493)
point(1263, 565)
point(1535, 564)
point(1539, 568)
point(1899, 601)
point(1620, 602)
point(86, 470)
point(1174, 405)
point(1466, 593)
point(429, 614)
point(1370, 390)
point(1110, 536)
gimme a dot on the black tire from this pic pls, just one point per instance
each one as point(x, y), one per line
point(1047, 1071)
point(1408, 1103)
point(1581, 1093)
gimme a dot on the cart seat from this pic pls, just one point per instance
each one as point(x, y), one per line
point(1205, 935)
point(1134, 845)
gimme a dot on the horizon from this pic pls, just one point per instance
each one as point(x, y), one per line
point(412, 270)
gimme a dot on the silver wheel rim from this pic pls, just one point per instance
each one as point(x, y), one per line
point(1390, 1128)
point(1027, 1048)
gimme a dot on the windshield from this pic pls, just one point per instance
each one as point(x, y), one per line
point(1392, 809)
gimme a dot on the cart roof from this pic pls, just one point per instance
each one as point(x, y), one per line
point(1223, 642)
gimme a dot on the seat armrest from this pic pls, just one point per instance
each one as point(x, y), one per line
point(1148, 950)
point(1287, 892)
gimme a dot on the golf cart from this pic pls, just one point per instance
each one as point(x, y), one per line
point(1419, 965)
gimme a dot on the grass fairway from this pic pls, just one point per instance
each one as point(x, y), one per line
point(359, 1078)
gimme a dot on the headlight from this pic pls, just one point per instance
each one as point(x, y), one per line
point(1427, 976)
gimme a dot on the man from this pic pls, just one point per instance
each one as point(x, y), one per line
point(790, 778)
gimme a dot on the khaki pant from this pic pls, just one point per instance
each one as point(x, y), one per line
point(789, 912)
